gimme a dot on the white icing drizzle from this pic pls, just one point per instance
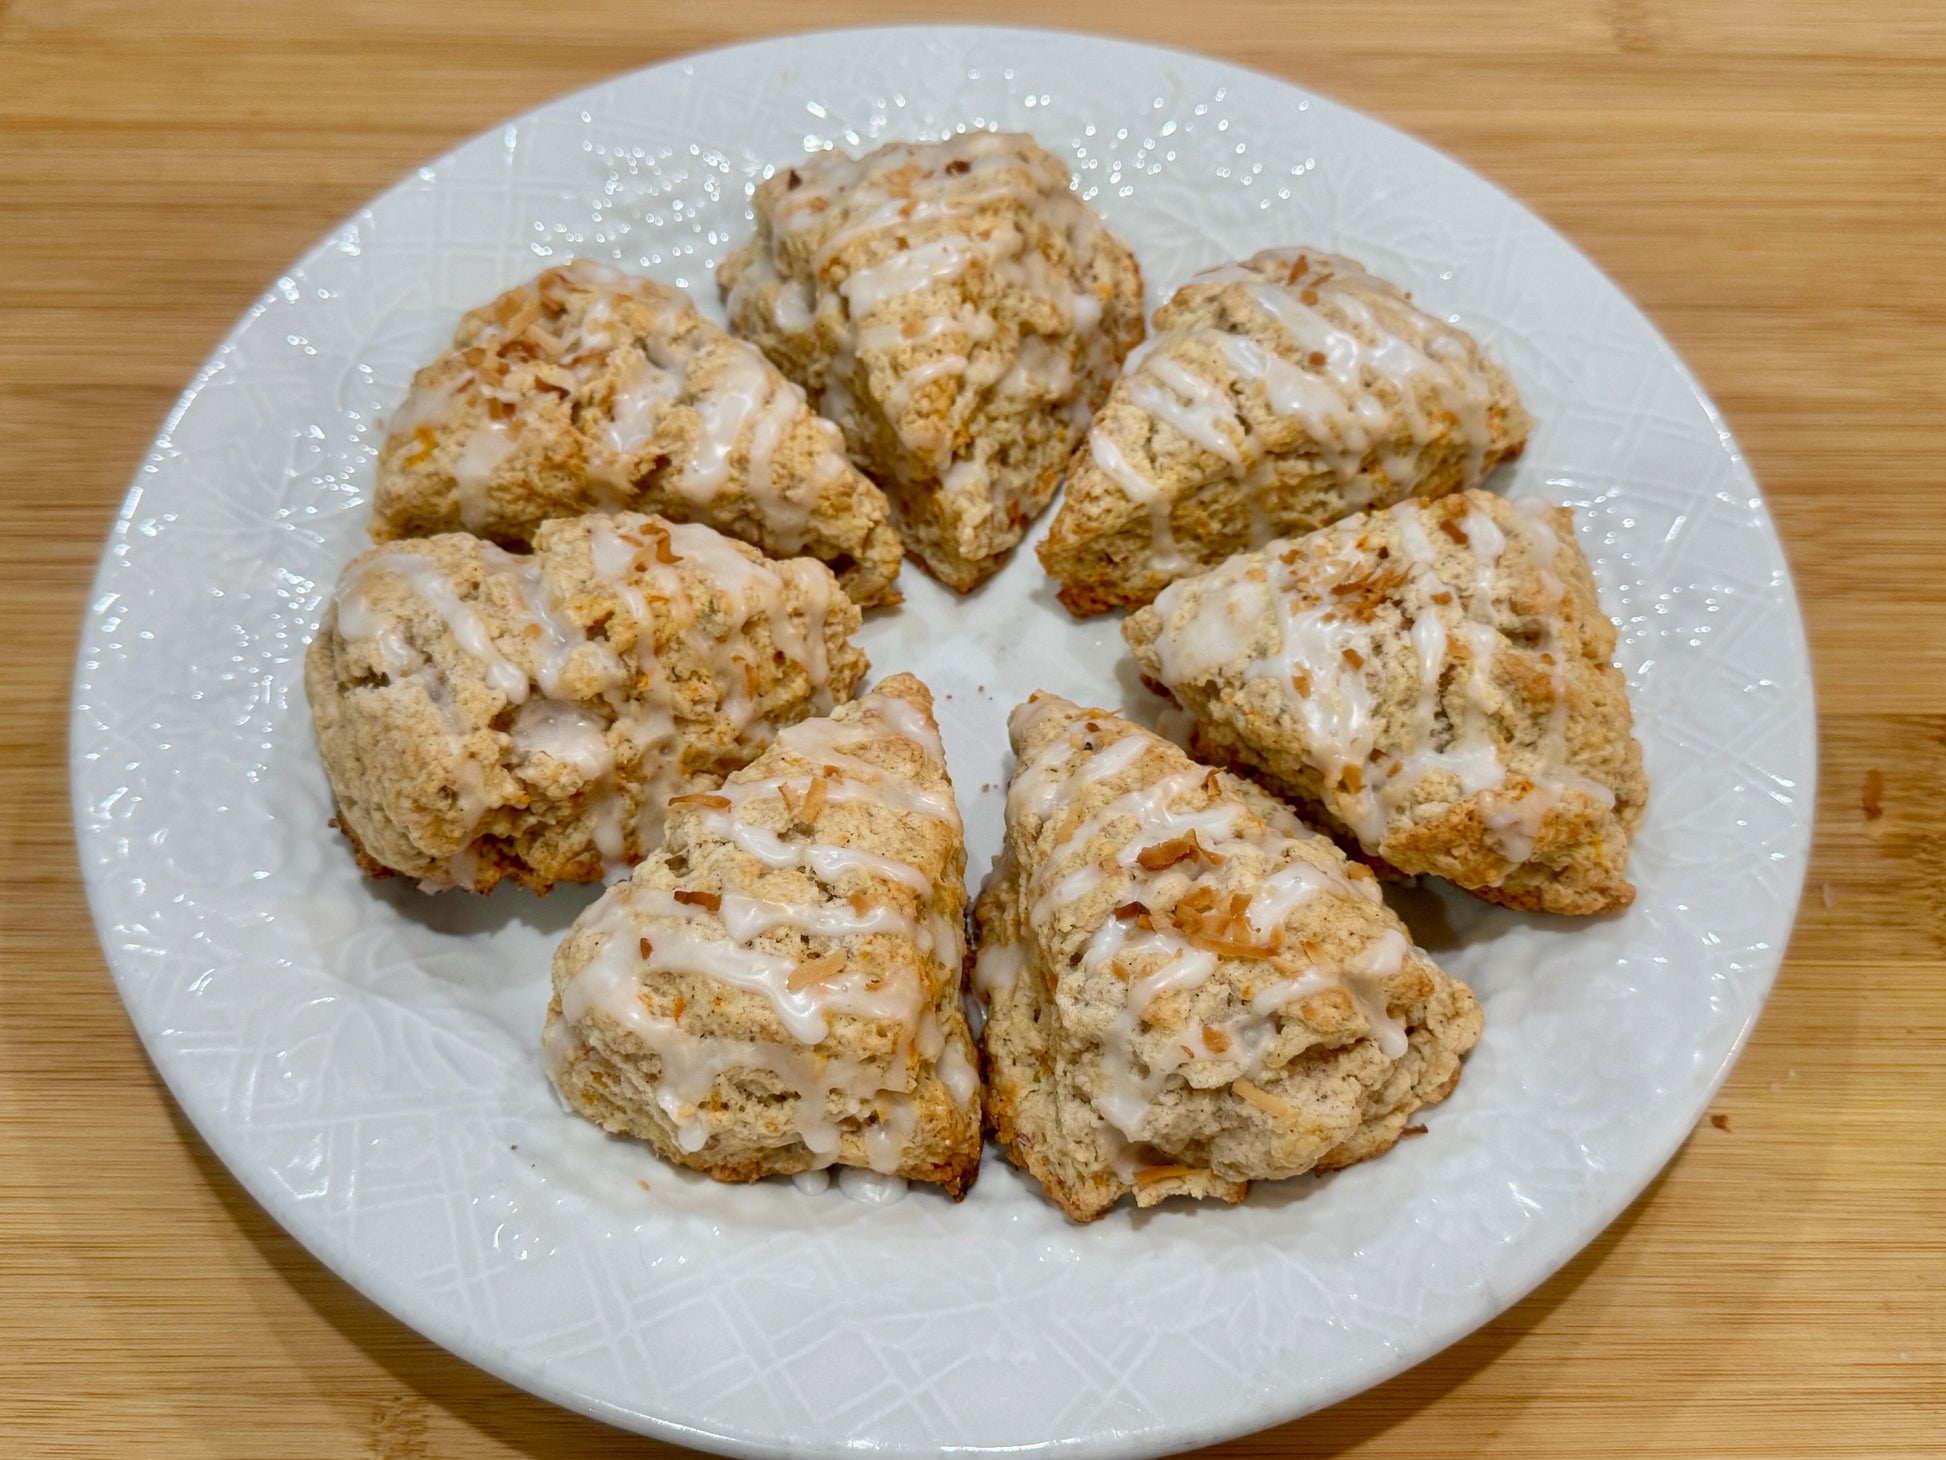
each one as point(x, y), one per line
point(566, 732)
point(688, 1067)
point(428, 581)
point(1343, 429)
point(1202, 412)
point(997, 968)
point(748, 405)
point(1348, 385)
point(1161, 960)
point(957, 1074)
point(632, 742)
point(635, 409)
point(871, 1188)
point(1166, 556)
point(431, 404)
point(1311, 654)
point(742, 940)
point(906, 272)
point(735, 960)
point(1385, 338)
point(933, 192)
point(725, 413)
point(943, 367)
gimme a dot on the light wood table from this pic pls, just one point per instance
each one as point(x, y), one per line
point(1765, 179)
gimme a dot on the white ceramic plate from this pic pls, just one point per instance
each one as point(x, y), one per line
point(366, 1059)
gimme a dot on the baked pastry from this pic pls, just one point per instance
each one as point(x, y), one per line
point(958, 311)
point(486, 715)
point(1186, 989)
point(588, 389)
point(1435, 682)
point(776, 990)
point(1277, 396)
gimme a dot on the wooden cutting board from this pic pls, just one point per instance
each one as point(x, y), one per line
point(1765, 180)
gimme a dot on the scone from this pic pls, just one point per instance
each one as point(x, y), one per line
point(1277, 396)
point(958, 311)
point(1186, 990)
point(1435, 681)
point(486, 715)
point(777, 989)
point(588, 390)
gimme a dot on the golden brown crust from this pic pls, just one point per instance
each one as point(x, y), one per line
point(1494, 743)
point(587, 389)
point(957, 311)
point(483, 715)
point(749, 1019)
point(1185, 989)
point(1235, 427)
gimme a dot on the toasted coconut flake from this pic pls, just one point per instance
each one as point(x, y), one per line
point(814, 970)
point(813, 800)
point(658, 535)
point(1223, 930)
point(707, 799)
point(526, 309)
point(1167, 854)
point(1268, 1103)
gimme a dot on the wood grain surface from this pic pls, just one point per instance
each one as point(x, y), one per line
point(1765, 179)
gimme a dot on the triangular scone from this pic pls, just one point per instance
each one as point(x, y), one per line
point(777, 989)
point(1436, 681)
point(486, 715)
point(1277, 396)
point(958, 311)
point(1186, 989)
point(587, 390)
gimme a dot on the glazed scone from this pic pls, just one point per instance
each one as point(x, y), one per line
point(958, 311)
point(1277, 396)
point(1435, 681)
point(1186, 990)
point(486, 715)
point(777, 989)
point(587, 390)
